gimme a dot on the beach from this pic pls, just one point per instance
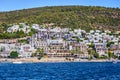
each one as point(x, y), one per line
point(52, 59)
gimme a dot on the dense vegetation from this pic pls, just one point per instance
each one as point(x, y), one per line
point(14, 54)
point(8, 35)
point(23, 41)
point(67, 16)
point(18, 34)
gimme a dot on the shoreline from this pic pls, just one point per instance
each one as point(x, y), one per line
point(50, 60)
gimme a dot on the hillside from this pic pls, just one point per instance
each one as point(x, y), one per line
point(85, 17)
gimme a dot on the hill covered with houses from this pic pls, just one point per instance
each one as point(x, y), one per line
point(57, 42)
point(84, 17)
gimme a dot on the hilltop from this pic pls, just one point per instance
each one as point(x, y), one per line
point(84, 17)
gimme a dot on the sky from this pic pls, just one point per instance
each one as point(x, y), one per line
point(10, 5)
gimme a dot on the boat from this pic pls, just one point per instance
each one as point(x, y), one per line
point(17, 62)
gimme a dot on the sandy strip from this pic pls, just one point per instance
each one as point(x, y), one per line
point(52, 59)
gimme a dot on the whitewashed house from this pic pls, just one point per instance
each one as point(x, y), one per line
point(14, 28)
point(101, 49)
point(117, 53)
point(36, 26)
point(5, 49)
point(92, 31)
point(26, 51)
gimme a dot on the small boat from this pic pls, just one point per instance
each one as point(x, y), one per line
point(17, 62)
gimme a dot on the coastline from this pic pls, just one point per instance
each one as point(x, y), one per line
point(35, 60)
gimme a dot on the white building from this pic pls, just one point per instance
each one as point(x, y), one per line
point(101, 49)
point(35, 26)
point(26, 50)
point(117, 53)
point(14, 28)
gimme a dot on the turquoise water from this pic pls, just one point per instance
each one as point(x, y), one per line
point(60, 71)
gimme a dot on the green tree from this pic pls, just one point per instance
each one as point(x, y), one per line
point(93, 53)
point(92, 45)
point(33, 31)
point(96, 55)
point(21, 26)
point(109, 43)
point(40, 53)
point(78, 39)
point(110, 54)
point(104, 57)
point(34, 54)
point(14, 54)
point(25, 41)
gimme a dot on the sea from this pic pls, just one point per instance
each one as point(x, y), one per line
point(60, 71)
